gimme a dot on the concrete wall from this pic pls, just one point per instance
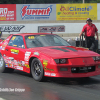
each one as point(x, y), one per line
point(72, 28)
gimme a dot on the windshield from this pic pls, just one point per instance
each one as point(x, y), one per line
point(44, 40)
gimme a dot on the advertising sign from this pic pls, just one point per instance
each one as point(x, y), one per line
point(11, 28)
point(7, 12)
point(51, 28)
point(76, 11)
point(36, 12)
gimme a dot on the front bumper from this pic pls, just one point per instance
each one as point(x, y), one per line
point(69, 74)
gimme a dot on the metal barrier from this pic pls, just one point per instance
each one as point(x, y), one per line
point(83, 43)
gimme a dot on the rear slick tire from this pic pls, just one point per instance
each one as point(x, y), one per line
point(4, 69)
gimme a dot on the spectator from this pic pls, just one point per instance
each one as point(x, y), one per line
point(90, 30)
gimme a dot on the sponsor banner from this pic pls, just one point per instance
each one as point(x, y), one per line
point(31, 12)
point(51, 28)
point(76, 11)
point(7, 12)
point(11, 28)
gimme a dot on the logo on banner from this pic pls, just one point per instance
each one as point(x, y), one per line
point(11, 28)
point(30, 13)
point(51, 28)
point(7, 13)
point(76, 11)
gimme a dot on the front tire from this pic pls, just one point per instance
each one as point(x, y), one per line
point(37, 70)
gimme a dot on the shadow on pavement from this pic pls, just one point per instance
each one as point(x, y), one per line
point(67, 81)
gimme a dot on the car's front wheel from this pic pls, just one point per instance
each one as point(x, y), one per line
point(4, 69)
point(37, 70)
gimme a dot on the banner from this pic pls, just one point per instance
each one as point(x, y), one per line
point(7, 12)
point(31, 12)
point(76, 11)
point(57, 28)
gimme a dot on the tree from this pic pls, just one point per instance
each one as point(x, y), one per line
point(45, 1)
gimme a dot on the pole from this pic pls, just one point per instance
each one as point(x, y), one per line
point(83, 1)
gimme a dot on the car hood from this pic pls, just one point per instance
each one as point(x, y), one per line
point(65, 51)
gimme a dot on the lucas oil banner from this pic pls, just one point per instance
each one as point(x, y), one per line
point(29, 12)
point(76, 11)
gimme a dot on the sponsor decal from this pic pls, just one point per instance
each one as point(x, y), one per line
point(15, 62)
point(36, 53)
point(30, 13)
point(3, 48)
point(31, 37)
point(0, 47)
point(45, 62)
point(26, 65)
point(4, 45)
point(15, 45)
point(26, 62)
point(26, 58)
point(9, 65)
point(45, 68)
point(11, 58)
point(27, 54)
point(49, 74)
point(22, 63)
point(19, 63)
point(13, 38)
point(14, 51)
point(53, 74)
point(42, 35)
point(11, 28)
point(6, 65)
point(5, 42)
point(19, 67)
point(4, 55)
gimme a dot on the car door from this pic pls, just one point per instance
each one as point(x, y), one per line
point(15, 52)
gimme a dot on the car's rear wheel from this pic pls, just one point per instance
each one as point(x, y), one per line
point(4, 69)
point(37, 70)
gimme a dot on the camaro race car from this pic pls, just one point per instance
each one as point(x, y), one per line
point(44, 54)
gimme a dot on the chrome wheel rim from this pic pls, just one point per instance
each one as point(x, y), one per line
point(37, 68)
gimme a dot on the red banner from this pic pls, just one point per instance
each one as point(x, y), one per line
point(7, 12)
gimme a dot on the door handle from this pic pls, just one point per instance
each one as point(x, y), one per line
point(6, 49)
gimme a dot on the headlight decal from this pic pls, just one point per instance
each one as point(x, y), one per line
point(60, 61)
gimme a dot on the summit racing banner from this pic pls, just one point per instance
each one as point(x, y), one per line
point(76, 11)
point(7, 12)
point(36, 12)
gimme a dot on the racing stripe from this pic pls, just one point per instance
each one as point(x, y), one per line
point(60, 49)
point(70, 48)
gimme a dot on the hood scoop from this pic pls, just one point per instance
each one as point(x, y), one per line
point(72, 49)
point(64, 49)
point(61, 49)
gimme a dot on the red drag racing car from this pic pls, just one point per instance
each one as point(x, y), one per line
point(44, 54)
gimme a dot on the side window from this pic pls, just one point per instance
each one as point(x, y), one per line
point(16, 41)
